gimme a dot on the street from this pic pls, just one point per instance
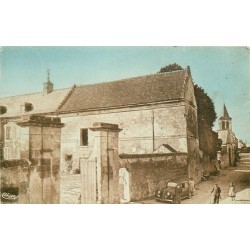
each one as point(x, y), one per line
point(239, 175)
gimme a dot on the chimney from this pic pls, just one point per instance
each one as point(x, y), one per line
point(48, 86)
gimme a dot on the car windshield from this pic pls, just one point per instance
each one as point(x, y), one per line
point(171, 184)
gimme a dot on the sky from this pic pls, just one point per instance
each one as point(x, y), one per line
point(223, 72)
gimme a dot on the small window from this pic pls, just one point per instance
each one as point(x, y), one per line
point(223, 125)
point(84, 137)
point(7, 133)
point(68, 157)
point(28, 106)
point(3, 110)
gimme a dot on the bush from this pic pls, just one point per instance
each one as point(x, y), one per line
point(14, 163)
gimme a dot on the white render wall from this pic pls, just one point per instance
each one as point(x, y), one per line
point(137, 129)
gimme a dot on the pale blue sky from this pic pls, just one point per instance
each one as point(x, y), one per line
point(223, 72)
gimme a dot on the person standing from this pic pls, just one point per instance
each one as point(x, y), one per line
point(191, 186)
point(178, 192)
point(232, 192)
point(216, 191)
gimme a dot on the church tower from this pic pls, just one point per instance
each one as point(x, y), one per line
point(48, 86)
point(225, 121)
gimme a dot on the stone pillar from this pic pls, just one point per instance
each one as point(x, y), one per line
point(42, 139)
point(107, 160)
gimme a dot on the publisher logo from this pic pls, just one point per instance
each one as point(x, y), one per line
point(8, 196)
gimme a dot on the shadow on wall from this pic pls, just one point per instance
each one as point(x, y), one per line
point(25, 184)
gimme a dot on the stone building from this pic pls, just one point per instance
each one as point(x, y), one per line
point(151, 110)
point(151, 118)
point(229, 146)
point(157, 118)
point(17, 108)
point(30, 132)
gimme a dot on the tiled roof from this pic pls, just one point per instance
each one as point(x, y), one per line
point(42, 103)
point(131, 91)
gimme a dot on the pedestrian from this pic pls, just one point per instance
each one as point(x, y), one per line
point(178, 192)
point(191, 186)
point(232, 192)
point(216, 191)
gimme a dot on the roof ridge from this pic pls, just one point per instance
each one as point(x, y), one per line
point(27, 94)
point(66, 97)
point(129, 78)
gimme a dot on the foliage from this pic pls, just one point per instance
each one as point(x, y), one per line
point(14, 163)
point(205, 107)
point(170, 68)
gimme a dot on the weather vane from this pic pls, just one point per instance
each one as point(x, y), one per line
point(48, 71)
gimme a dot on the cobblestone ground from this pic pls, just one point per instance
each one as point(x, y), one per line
point(239, 175)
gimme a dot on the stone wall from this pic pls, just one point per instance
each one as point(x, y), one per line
point(35, 139)
point(18, 178)
point(150, 172)
point(209, 165)
point(143, 129)
point(194, 159)
point(35, 185)
point(193, 142)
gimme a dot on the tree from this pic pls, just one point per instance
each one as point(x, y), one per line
point(170, 68)
point(205, 106)
point(206, 116)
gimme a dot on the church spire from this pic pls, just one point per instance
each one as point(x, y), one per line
point(225, 121)
point(48, 71)
point(225, 113)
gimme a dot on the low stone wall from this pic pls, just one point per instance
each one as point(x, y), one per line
point(29, 184)
point(70, 188)
point(15, 185)
point(149, 172)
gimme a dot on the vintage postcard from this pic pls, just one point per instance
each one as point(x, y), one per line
point(124, 125)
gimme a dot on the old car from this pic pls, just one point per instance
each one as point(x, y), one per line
point(168, 193)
